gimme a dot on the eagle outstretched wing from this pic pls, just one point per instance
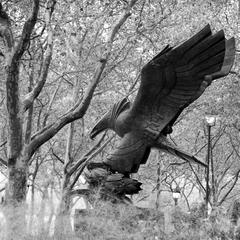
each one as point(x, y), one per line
point(169, 83)
point(176, 77)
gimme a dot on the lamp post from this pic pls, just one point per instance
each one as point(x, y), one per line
point(210, 121)
point(176, 195)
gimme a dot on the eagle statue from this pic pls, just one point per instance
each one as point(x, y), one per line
point(171, 81)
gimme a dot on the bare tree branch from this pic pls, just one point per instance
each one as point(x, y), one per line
point(84, 164)
point(233, 146)
point(224, 172)
point(26, 33)
point(5, 31)
point(80, 192)
point(50, 104)
point(197, 178)
point(84, 158)
point(231, 188)
point(3, 143)
point(3, 162)
point(57, 157)
point(79, 110)
point(29, 98)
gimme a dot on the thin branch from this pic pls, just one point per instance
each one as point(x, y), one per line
point(84, 164)
point(233, 146)
point(177, 163)
point(6, 31)
point(226, 184)
point(197, 178)
point(29, 98)
point(83, 159)
point(57, 157)
point(234, 72)
point(80, 192)
point(231, 188)
point(50, 104)
point(26, 32)
point(224, 172)
point(79, 110)
point(3, 143)
point(3, 162)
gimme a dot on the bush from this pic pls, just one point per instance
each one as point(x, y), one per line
point(125, 222)
point(194, 226)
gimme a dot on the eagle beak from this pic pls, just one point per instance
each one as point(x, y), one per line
point(95, 131)
point(101, 125)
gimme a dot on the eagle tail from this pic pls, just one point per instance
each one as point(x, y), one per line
point(169, 148)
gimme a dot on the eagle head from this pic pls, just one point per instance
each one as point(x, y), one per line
point(108, 121)
point(103, 124)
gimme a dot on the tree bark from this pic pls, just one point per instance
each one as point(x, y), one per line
point(42, 209)
point(62, 222)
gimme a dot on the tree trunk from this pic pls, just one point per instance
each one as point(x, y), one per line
point(65, 201)
point(15, 199)
point(62, 223)
point(52, 211)
point(42, 209)
point(17, 184)
point(32, 208)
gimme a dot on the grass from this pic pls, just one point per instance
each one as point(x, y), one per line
point(121, 222)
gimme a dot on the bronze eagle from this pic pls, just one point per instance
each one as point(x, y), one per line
point(171, 81)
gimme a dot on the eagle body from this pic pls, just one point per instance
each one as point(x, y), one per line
point(170, 82)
